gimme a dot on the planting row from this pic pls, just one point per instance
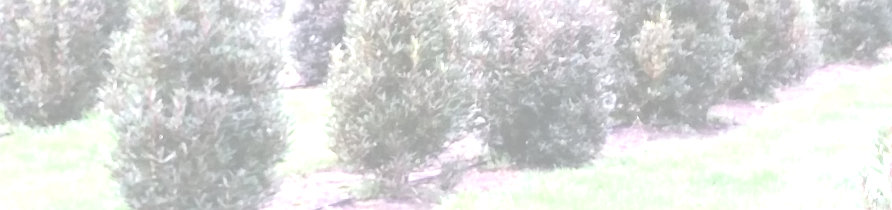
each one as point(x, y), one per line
point(192, 83)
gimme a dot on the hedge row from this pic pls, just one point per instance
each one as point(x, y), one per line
point(855, 29)
point(190, 81)
point(550, 76)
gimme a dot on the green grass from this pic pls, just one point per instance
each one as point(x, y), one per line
point(64, 168)
point(58, 168)
point(805, 154)
point(309, 151)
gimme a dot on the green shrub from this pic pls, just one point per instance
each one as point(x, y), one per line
point(546, 65)
point(856, 29)
point(396, 95)
point(877, 178)
point(778, 45)
point(115, 16)
point(676, 60)
point(51, 58)
point(198, 124)
point(630, 95)
point(275, 8)
point(320, 26)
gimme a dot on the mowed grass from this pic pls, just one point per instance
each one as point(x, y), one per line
point(65, 168)
point(310, 111)
point(59, 168)
point(804, 154)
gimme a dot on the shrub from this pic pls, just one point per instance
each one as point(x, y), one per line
point(198, 124)
point(115, 16)
point(877, 178)
point(320, 27)
point(275, 8)
point(856, 29)
point(545, 66)
point(51, 58)
point(691, 42)
point(778, 45)
point(396, 95)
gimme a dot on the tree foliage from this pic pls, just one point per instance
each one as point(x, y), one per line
point(677, 60)
point(397, 97)
point(545, 68)
point(856, 29)
point(198, 126)
point(320, 27)
point(779, 45)
point(52, 57)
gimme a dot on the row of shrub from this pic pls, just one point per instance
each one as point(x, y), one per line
point(855, 29)
point(768, 32)
point(192, 83)
point(777, 44)
point(550, 76)
point(319, 26)
point(676, 59)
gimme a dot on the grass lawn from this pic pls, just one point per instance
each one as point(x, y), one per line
point(64, 168)
point(58, 168)
point(805, 154)
point(309, 152)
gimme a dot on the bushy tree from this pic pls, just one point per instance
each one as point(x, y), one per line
point(779, 45)
point(677, 60)
point(856, 29)
point(115, 16)
point(275, 8)
point(397, 98)
point(51, 57)
point(545, 66)
point(320, 27)
point(198, 124)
